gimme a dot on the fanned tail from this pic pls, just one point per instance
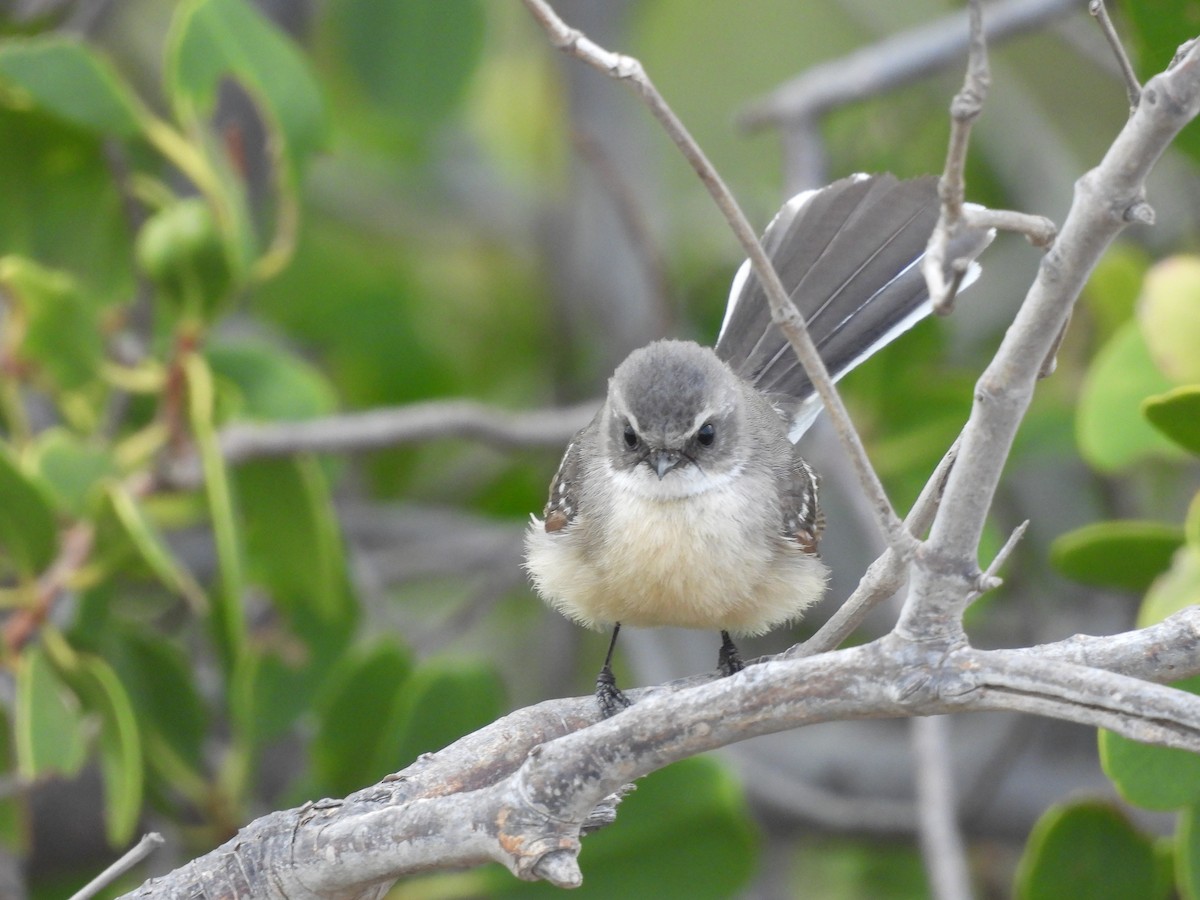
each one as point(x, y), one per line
point(850, 257)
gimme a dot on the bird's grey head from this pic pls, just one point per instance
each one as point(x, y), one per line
point(673, 410)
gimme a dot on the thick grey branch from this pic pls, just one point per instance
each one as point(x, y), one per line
point(521, 790)
point(1107, 199)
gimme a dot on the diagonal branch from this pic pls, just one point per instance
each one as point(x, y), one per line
point(1107, 199)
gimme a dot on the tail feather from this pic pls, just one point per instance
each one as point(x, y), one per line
point(849, 255)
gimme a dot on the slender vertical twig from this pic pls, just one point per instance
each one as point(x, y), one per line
point(1132, 86)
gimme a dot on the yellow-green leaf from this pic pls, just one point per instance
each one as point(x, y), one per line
point(61, 330)
point(153, 549)
point(120, 750)
point(1176, 589)
point(1110, 428)
point(229, 625)
point(1169, 313)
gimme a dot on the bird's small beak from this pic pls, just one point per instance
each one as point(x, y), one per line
point(663, 461)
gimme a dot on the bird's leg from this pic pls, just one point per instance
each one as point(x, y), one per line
point(729, 660)
point(608, 695)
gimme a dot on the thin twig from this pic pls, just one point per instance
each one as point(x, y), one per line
point(1038, 230)
point(989, 580)
point(143, 848)
point(74, 548)
point(937, 814)
point(965, 108)
point(883, 577)
point(783, 311)
point(1132, 86)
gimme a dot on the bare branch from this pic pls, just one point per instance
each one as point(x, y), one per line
point(143, 848)
point(1167, 651)
point(392, 427)
point(990, 580)
point(941, 841)
point(1038, 230)
point(1132, 86)
point(1106, 199)
point(783, 311)
point(883, 577)
point(520, 790)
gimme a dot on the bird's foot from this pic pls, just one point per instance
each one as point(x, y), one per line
point(729, 661)
point(608, 695)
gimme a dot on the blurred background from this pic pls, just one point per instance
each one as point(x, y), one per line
point(458, 211)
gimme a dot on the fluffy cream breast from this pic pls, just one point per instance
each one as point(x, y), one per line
point(675, 560)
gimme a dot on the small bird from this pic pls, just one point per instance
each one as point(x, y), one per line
point(684, 502)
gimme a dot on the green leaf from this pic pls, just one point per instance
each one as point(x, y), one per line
point(1176, 589)
point(293, 541)
point(61, 330)
point(49, 723)
point(1112, 289)
point(848, 869)
point(683, 833)
point(1169, 313)
point(153, 549)
point(356, 709)
point(103, 695)
point(443, 700)
point(1177, 415)
point(120, 749)
point(271, 383)
point(1187, 852)
point(51, 173)
point(14, 812)
point(162, 686)
point(215, 39)
point(73, 468)
point(1123, 554)
point(1109, 426)
point(228, 614)
point(1088, 849)
point(294, 552)
point(70, 80)
point(1150, 776)
point(412, 61)
point(1191, 525)
point(28, 533)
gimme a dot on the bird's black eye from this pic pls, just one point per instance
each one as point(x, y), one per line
point(631, 438)
point(707, 434)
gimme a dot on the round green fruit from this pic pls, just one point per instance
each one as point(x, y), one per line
point(181, 250)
